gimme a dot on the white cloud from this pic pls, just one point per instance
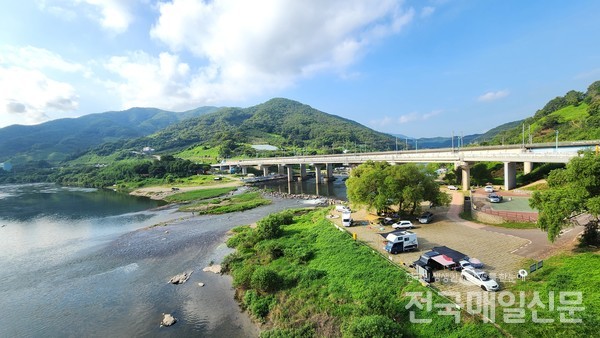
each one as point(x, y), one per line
point(492, 96)
point(427, 11)
point(26, 96)
point(29, 57)
point(386, 122)
point(113, 15)
point(249, 47)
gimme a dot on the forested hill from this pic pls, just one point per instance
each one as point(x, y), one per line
point(576, 116)
point(279, 122)
point(58, 139)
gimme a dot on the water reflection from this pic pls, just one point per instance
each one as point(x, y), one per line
point(335, 189)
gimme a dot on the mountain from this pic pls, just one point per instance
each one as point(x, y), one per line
point(446, 142)
point(573, 117)
point(56, 140)
point(280, 122)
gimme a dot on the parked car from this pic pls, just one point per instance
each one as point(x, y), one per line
point(452, 187)
point(480, 278)
point(494, 198)
point(463, 264)
point(488, 188)
point(386, 221)
point(425, 218)
point(403, 225)
point(476, 263)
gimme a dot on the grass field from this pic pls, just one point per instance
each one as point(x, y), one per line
point(314, 280)
point(241, 202)
point(198, 194)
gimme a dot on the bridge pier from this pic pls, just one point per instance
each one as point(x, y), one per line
point(527, 167)
point(302, 172)
point(328, 172)
point(244, 170)
point(318, 174)
point(265, 169)
point(290, 173)
point(510, 175)
point(280, 169)
point(466, 176)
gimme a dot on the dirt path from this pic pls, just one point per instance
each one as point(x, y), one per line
point(159, 193)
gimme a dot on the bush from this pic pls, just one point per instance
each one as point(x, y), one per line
point(265, 279)
point(258, 305)
point(270, 226)
point(242, 277)
point(307, 331)
point(375, 326)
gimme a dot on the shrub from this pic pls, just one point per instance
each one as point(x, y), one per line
point(306, 331)
point(242, 277)
point(258, 305)
point(374, 326)
point(265, 279)
point(270, 226)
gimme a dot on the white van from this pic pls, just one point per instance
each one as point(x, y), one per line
point(346, 218)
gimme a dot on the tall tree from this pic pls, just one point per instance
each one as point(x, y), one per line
point(573, 196)
point(380, 185)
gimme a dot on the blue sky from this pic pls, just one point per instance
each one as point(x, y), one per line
point(420, 68)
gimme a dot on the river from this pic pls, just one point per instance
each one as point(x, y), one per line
point(335, 189)
point(86, 262)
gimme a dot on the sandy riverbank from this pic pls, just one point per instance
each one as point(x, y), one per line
point(160, 192)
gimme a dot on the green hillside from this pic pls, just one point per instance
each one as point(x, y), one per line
point(57, 140)
point(576, 116)
point(289, 125)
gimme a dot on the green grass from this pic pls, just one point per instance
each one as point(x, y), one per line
point(536, 187)
point(326, 281)
point(578, 272)
point(513, 204)
point(200, 154)
point(511, 225)
point(241, 202)
point(198, 194)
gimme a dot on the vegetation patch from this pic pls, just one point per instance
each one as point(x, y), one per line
point(241, 202)
point(574, 273)
point(326, 284)
point(198, 194)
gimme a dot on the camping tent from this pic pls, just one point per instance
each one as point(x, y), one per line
point(456, 256)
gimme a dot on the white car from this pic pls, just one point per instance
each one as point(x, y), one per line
point(403, 225)
point(452, 187)
point(479, 278)
point(488, 188)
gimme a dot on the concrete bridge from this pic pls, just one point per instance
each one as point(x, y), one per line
point(462, 158)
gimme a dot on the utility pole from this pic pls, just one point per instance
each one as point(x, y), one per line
point(523, 146)
point(453, 141)
point(396, 143)
point(557, 140)
point(530, 136)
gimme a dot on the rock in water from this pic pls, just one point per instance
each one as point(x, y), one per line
point(168, 320)
point(213, 268)
point(181, 278)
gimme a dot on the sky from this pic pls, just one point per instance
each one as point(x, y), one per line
point(421, 68)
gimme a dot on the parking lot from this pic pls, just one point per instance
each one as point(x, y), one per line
point(492, 248)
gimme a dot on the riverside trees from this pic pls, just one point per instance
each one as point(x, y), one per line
point(572, 191)
point(380, 185)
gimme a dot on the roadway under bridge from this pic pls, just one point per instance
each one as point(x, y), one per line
point(462, 158)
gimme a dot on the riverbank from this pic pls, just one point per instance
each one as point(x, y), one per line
point(162, 192)
point(108, 275)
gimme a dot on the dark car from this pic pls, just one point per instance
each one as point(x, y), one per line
point(425, 218)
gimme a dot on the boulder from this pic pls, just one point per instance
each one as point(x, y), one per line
point(213, 268)
point(180, 278)
point(168, 320)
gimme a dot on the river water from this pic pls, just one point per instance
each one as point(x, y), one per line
point(83, 262)
point(334, 189)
